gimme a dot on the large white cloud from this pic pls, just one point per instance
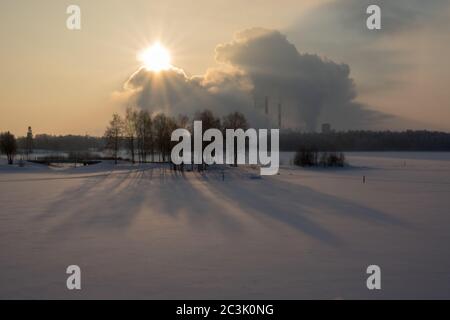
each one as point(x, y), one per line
point(255, 64)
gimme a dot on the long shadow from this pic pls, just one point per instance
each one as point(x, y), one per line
point(88, 204)
point(118, 207)
point(291, 204)
point(284, 212)
point(332, 204)
point(114, 201)
point(73, 195)
point(176, 196)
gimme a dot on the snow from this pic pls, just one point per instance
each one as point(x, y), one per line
point(144, 231)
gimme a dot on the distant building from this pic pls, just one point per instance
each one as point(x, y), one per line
point(326, 128)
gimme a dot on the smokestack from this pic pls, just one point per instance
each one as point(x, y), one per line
point(279, 115)
point(267, 105)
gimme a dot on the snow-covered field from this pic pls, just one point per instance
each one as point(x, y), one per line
point(148, 232)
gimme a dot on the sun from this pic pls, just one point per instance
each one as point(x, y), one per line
point(155, 58)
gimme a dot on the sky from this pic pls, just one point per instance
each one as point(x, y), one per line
point(226, 52)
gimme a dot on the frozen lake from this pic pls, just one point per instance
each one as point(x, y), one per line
point(148, 232)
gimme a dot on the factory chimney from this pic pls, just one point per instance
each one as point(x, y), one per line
point(266, 104)
point(279, 115)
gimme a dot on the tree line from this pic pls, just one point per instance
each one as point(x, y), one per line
point(410, 140)
point(146, 136)
point(62, 143)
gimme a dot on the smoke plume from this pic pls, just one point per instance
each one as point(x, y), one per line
point(256, 64)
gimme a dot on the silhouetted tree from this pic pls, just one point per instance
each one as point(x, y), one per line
point(289, 141)
point(66, 143)
point(144, 133)
point(209, 121)
point(408, 140)
point(114, 134)
point(129, 124)
point(235, 120)
point(182, 121)
point(163, 127)
point(310, 157)
point(172, 125)
point(8, 146)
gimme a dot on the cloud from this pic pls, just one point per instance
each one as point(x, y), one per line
point(171, 91)
point(310, 87)
point(255, 64)
point(338, 29)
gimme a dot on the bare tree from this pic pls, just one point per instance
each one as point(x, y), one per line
point(171, 125)
point(8, 146)
point(114, 134)
point(130, 130)
point(160, 127)
point(182, 121)
point(144, 134)
point(235, 120)
point(208, 120)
